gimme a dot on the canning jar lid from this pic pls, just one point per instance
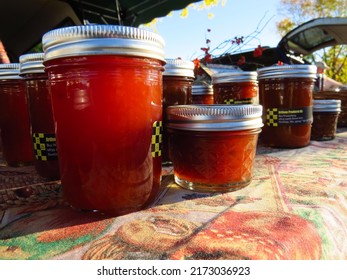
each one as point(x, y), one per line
point(179, 67)
point(234, 76)
point(288, 71)
point(9, 71)
point(326, 105)
point(214, 117)
point(102, 40)
point(202, 89)
point(31, 63)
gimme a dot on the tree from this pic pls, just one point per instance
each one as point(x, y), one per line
point(296, 12)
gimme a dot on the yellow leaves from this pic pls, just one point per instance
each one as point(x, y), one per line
point(210, 15)
point(184, 13)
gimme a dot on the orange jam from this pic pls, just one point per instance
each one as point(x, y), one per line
point(41, 116)
point(235, 87)
point(286, 95)
point(325, 117)
point(14, 117)
point(202, 94)
point(213, 146)
point(177, 90)
point(106, 91)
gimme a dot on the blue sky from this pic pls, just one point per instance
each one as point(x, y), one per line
point(185, 36)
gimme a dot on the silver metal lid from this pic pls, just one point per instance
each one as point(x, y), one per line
point(31, 63)
point(214, 117)
point(234, 76)
point(288, 71)
point(9, 71)
point(202, 89)
point(326, 105)
point(179, 67)
point(100, 40)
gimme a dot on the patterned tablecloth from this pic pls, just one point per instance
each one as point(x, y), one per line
point(295, 208)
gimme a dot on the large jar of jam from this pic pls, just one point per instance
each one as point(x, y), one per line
point(106, 86)
point(325, 116)
point(213, 146)
point(178, 78)
point(41, 116)
point(202, 94)
point(235, 87)
point(14, 117)
point(286, 95)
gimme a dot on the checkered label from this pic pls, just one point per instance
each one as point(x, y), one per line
point(272, 117)
point(238, 101)
point(45, 147)
point(157, 138)
point(288, 116)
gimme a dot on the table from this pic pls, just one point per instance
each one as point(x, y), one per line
point(294, 208)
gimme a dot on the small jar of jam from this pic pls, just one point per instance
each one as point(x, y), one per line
point(202, 94)
point(178, 78)
point(235, 87)
point(213, 146)
point(16, 141)
point(41, 116)
point(325, 116)
point(286, 93)
point(106, 86)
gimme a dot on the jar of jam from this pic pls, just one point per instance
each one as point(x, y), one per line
point(325, 116)
point(106, 86)
point(178, 78)
point(286, 95)
point(202, 94)
point(235, 87)
point(213, 146)
point(41, 116)
point(14, 117)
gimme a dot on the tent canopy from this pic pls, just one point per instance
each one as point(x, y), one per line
point(23, 22)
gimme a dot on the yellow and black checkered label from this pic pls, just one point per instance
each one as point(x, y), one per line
point(157, 138)
point(228, 101)
point(272, 117)
point(45, 147)
point(238, 101)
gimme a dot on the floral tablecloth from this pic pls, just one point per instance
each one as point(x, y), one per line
point(295, 208)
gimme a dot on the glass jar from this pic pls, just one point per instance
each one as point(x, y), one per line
point(41, 116)
point(213, 146)
point(286, 93)
point(14, 117)
point(106, 86)
point(178, 78)
point(325, 116)
point(235, 87)
point(202, 94)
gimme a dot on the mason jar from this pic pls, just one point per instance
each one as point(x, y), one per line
point(325, 116)
point(235, 87)
point(41, 116)
point(106, 86)
point(178, 78)
point(202, 94)
point(213, 146)
point(286, 93)
point(14, 117)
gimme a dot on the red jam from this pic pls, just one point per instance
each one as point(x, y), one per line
point(213, 148)
point(325, 116)
point(41, 116)
point(177, 90)
point(286, 95)
point(236, 87)
point(108, 114)
point(14, 117)
point(202, 94)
